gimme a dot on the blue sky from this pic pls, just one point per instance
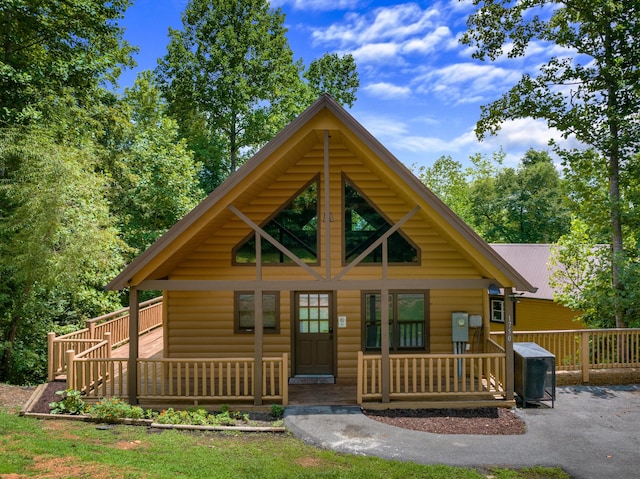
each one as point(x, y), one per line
point(420, 91)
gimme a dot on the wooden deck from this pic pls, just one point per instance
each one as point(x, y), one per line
point(151, 345)
point(340, 394)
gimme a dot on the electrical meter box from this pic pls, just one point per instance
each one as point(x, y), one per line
point(460, 327)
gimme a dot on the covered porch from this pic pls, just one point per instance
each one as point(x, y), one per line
point(92, 362)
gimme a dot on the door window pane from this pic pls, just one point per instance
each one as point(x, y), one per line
point(313, 312)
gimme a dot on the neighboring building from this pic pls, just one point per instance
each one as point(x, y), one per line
point(327, 227)
point(533, 311)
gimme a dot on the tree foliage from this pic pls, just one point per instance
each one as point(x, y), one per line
point(226, 70)
point(582, 279)
point(449, 181)
point(154, 176)
point(231, 82)
point(590, 91)
point(58, 246)
point(335, 75)
point(53, 46)
point(504, 205)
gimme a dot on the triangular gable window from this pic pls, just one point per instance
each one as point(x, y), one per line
point(295, 226)
point(363, 225)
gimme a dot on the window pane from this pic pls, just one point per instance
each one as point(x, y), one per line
point(373, 316)
point(246, 310)
point(304, 326)
point(246, 319)
point(364, 225)
point(295, 226)
point(410, 307)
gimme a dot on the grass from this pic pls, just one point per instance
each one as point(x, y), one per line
point(35, 448)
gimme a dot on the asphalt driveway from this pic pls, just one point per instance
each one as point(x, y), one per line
point(592, 432)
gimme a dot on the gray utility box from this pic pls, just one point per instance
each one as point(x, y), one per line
point(534, 373)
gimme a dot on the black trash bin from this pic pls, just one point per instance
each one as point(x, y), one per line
point(534, 373)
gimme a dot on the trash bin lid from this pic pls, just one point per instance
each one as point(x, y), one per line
point(531, 350)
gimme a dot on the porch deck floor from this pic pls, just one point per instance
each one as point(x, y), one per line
point(150, 345)
point(340, 394)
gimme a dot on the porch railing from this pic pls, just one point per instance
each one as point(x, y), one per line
point(116, 324)
point(585, 349)
point(420, 376)
point(193, 380)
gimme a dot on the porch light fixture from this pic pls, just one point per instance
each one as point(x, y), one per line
point(494, 290)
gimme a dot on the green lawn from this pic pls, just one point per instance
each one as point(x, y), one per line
point(73, 449)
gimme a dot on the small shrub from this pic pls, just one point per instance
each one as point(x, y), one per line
point(71, 403)
point(201, 417)
point(277, 411)
point(112, 409)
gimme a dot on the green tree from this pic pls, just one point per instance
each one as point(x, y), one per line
point(225, 73)
point(155, 180)
point(449, 181)
point(335, 75)
point(592, 95)
point(517, 205)
point(55, 46)
point(582, 278)
point(58, 246)
point(231, 82)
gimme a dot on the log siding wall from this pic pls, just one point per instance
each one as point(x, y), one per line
point(201, 324)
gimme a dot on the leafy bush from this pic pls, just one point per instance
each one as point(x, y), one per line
point(277, 411)
point(200, 417)
point(71, 403)
point(112, 409)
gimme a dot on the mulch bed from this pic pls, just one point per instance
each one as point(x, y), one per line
point(48, 396)
point(478, 421)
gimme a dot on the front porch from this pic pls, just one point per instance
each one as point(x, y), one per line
point(90, 361)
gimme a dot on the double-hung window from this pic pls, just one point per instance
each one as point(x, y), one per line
point(497, 310)
point(245, 311)
point(408, 320)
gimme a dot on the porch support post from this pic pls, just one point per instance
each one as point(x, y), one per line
point(384, 345)
point(258, 330)
point(132, 366)
point(327, 207)
point(508, 343)
point(384, 331)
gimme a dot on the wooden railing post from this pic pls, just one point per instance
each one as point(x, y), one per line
point(132, 366)
point(92, 329)
point(70, 355)
point(360, 379)
point(284, 377)
point(107, 338)
point(584, 355)
point(51, 337)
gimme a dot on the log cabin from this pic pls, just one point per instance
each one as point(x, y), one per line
point(324, 252)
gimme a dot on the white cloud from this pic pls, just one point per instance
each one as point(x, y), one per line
point(462, 83)
point(317, 5)
point(386, 90)
point(377, 53)
point(428, 43)
point(398, 23)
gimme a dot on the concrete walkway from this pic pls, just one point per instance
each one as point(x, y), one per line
point(593, 432)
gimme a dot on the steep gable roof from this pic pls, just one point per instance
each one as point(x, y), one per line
point(298, 136)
